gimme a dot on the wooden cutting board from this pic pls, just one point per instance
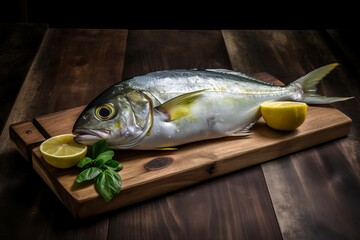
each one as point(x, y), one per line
point(147, 174)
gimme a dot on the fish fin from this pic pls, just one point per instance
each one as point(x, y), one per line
point(243, 132)
point(308, 85)
point(179, 106)
point(166, 149)
point(240, 134)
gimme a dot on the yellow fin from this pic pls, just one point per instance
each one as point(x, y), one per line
point(179, 106)
point(166, 149)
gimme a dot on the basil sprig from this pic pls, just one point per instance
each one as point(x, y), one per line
point(102, 169)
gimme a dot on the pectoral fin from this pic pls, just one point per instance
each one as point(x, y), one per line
point(179, 106)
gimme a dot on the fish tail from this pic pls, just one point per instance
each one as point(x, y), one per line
point(308, 85)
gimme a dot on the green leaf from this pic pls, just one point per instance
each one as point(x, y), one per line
point(99, 162)
point(108, 184)
point(113, 165)
point(99, 147)
point(101, 169)
point(88, 174)
point(85, 161)
point(106, 156)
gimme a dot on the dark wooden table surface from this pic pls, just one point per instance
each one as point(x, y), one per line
point(311, 194)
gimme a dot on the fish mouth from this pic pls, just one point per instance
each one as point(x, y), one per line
point(90, 136)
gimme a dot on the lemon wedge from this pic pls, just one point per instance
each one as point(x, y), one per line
point(284, 115)
point(62, 151)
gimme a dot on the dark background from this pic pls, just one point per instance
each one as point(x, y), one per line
point(183, 14)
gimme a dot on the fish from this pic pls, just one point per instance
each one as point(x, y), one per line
point(165, 109)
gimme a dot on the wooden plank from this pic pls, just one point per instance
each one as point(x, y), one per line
point(190, 164)
point(219, 209)
point(316, 189)
point(314, 192)
point(54, 124)
point(166, 49)
point(345, 44)
point(19, 43)
point(26, 137)
point(71, 67)
point(18, 46)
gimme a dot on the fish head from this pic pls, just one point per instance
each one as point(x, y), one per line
point(122, 118)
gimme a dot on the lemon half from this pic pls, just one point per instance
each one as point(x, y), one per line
point(284, 115)
point(62, 151)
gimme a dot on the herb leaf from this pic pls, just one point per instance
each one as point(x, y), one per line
point(85, 161)
point(99, 163)
point(108, 183)
point(102, 169)
point(106, 156)
point(99, 147)
point(113, 165)
point(88, 174)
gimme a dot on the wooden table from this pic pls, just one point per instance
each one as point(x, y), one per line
point(311, 194)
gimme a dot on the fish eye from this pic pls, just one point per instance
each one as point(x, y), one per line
point(105, 111)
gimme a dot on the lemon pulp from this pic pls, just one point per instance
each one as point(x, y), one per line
point(62, 151)
point(284, 115)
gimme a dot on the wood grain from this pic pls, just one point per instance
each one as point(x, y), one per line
point(71, 67)
point(190, 164)
point(313, 191)
point(345, 45)
point(181, 49)
point(18, 46)
point(204, 211)
point(27, 137)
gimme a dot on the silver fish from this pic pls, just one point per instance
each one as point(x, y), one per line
point(163, 109)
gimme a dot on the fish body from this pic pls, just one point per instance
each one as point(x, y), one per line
point(164, 109)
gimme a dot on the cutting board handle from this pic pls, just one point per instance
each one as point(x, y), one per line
point(26, 137)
